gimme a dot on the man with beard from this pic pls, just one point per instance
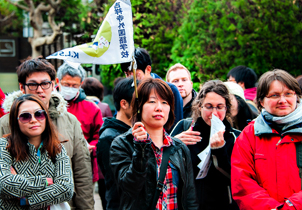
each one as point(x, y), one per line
point(181, 78)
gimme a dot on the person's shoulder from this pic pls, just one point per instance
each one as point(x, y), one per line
point(181, 126)
point(235, 131)
point(172, 86)
point(123, 138)
point(3, 143)
point(90, 103)
point(4, 119)
point(179, 145)
point(3, 140)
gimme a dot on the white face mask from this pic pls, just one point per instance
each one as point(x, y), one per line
point(68, 93)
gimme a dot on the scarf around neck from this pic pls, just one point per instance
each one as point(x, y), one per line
point(285, 121)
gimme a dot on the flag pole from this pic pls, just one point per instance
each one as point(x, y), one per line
point(134, 66)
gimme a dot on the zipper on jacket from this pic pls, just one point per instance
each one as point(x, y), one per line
point(279, 141)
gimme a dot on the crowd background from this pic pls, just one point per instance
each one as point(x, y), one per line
point(202, 35)
point(212, 40)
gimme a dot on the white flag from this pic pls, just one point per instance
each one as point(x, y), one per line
point(113, 42)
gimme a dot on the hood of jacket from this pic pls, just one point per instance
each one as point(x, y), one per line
point(115, 124)
point(57, 104)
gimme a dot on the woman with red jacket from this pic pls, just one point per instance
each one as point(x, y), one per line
point(264, 171)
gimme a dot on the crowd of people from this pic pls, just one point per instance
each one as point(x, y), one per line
point(231, 145)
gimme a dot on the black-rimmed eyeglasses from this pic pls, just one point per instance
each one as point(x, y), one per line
point(34, 86)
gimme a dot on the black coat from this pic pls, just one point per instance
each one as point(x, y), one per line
point(134, 167)
point(213, 191)
point(110, 129)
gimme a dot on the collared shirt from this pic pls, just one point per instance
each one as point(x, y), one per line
point(168, 196)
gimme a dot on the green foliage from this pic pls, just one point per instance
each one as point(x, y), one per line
point(13, 26)
point(70, 13)
point(219, 35)
point(155, 25)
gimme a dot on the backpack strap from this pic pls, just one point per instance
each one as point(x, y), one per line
point(299, 158)
point(162, 175)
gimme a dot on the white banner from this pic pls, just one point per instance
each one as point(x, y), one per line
point(113, 42)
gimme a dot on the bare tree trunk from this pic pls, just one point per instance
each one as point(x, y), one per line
point(36, 21)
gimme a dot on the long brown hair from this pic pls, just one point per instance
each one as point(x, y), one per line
point(17, 141)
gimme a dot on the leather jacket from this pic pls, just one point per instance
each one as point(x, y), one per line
point(134, 167)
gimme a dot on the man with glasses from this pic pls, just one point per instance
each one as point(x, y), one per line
point(37, 77)
point(70, 76)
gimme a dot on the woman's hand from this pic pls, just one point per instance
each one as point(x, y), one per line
point(139, 131)
point(217, 140)
point(90, 148)
point(49, 181)
point(189, 137)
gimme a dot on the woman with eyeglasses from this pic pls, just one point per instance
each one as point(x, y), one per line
point(214, 190)
point(265, 172)
point(35, 172)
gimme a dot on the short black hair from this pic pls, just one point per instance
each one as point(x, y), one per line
point(35, 65)
point(244, 74)
point(123, 90)
point(142, 58)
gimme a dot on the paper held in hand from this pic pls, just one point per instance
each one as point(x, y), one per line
point(204, 156)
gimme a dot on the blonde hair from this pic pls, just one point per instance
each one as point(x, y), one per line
point(176, 67)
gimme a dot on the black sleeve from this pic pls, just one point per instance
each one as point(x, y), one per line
point(129, 166)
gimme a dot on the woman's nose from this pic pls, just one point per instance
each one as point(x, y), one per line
point(215, 111)
point(158, 106)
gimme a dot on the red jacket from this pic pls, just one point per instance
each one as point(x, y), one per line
point(2, 97)
point(264, 172)
point(90, 117)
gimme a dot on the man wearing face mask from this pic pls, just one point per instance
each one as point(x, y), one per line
point(70, 76)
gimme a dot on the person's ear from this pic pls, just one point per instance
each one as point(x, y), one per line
point(148, 70)
point(22, 88)
point(241, 85)
point(261, 102)
point(124, 104)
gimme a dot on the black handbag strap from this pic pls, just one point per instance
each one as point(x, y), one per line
point(162, 175)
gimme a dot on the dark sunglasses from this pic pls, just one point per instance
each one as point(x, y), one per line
point(26, 117)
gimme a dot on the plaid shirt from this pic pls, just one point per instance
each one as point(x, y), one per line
point(168, 197)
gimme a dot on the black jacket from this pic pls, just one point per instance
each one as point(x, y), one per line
point(188, 107)
point(213, 191)
point(134, 167)
point(110, 129)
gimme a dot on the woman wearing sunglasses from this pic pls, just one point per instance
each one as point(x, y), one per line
point(35, 172)
point(213, 191)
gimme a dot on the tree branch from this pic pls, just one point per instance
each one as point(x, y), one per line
point(19, 5)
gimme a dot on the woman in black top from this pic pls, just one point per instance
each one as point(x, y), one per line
point(213, 191)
